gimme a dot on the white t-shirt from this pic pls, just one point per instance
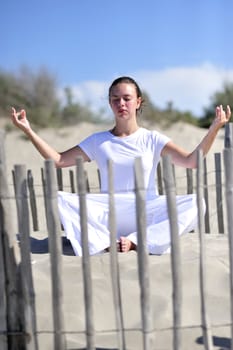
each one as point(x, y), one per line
point(147, 144)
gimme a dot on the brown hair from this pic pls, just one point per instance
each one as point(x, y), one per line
point(127, 80)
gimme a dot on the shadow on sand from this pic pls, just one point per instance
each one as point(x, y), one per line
point(41, 246)
point(96, 349)
point(221, 342)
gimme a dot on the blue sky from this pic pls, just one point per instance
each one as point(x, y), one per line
point(177, 50)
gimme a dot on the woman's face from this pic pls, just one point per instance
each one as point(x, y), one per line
point(124, 101)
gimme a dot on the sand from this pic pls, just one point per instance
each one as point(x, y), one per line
point(20, 151)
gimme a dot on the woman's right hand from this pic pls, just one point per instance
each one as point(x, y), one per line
point(20, 119)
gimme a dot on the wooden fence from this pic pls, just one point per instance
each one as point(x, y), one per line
point(18, 328)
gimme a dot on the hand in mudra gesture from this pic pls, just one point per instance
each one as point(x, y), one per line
point(20, 119)
point(221, 116)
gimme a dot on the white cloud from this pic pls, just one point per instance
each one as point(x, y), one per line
point(189, 88)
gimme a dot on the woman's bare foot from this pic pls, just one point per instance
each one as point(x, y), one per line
point(126, 245)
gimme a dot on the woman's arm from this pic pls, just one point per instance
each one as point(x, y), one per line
point(189, 160)
point(61, 159)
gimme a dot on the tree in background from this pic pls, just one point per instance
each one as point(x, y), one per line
point(37, 92)
point(74, 112)
point(224, 98)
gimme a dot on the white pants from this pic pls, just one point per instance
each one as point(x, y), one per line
point(158, 227)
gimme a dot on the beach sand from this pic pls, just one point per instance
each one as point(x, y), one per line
point(20, 151)
point(218, 301)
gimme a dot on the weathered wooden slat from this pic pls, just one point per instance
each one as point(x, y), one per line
point(206, 329)
point(3, 306)
point(87, 181)
point(219, 199)
point(3, 302)
point(28, 295)
point(99, 177)
point(142, 254)
point(159, 179)
point(32, 197)
point(11, 259)
point(114, 264)
point(228, 137)
point(55, 249)
point(86, 265)
point(189, 175)
point(174, 176)
point(175, 251)
point(72, 186)
point(13, 178)
point(228, 165)
point(43, 180)
point(206, 196)
point(59, 179)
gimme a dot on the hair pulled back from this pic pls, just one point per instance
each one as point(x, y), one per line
point(126, 80)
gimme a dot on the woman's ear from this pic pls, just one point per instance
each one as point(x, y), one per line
point(139, 103)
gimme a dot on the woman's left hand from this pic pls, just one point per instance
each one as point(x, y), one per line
point(221, 116)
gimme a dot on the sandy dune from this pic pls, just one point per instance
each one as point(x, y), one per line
point(20, 151)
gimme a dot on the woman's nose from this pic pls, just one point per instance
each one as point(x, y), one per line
point(121, 101)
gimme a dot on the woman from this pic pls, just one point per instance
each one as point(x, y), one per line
point(126, 141)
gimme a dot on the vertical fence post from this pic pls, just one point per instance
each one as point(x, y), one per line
point(25, 265)
point(87, 283)
point(71, 175)
point(175, 251)
point(142, 254)
point(206, 196)
point(55, 249)
point(3, 306)
point(115, 274)
point(219, 201)
point(44, 191)
point(3, 277)
point(59, 179)
point(11, 258)
point(159, 179)
point(32, 195)
point(99, 178)
point(228, 164)
point(228, 137)
point(189, 174)
point(202, 262)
